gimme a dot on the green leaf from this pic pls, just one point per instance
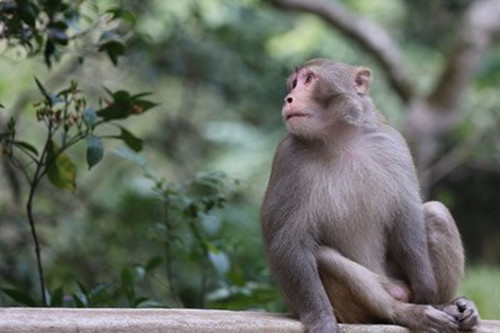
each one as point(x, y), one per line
point(19, 296)
point(130, 140)
point(56, 298)
point(43, 91)
point(26, 146)
point(95, 150)
point(60, 169)
point(79, 300)
point(124, 105)
point(127, 283)
point(114, 49)
point(153, 263)
point(120, 13)
point(141, 106)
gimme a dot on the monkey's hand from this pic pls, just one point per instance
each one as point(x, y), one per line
point(464, 311)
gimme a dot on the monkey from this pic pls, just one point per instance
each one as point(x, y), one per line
point(345, 230)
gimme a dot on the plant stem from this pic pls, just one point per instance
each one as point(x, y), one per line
point(168, 252)
point(29, 209)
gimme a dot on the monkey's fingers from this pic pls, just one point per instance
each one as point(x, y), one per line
point(469, 316)
point(435, 320)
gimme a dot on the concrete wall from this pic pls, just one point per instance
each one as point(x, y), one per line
point(54, 320)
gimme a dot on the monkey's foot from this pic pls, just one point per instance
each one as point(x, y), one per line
point(464, 311)
point(425, 318)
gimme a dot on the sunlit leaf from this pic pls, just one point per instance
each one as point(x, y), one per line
point(220, 261)
point(60, 169)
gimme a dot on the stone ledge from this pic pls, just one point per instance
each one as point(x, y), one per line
point(55, 320)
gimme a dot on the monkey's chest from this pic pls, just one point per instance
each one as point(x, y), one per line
point(352, 211)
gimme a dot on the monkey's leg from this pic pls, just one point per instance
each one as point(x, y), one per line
point(447, 257)
point(359, 295)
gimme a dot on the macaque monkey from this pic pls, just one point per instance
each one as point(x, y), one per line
point(345, 230)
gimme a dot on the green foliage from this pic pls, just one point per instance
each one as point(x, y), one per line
point(44, 26)
point(123, 292)
point(218, 68)
point(481, 285)
point(65, 115)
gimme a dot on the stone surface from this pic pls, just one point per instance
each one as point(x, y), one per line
point(54, 320)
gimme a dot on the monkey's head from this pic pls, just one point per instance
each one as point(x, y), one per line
point(322, 94)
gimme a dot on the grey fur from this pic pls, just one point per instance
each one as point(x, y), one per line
point(343, 221)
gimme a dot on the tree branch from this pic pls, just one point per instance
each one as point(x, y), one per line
point(479, 29)
point(366, 33)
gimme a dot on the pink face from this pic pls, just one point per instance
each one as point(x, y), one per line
point(299, 111)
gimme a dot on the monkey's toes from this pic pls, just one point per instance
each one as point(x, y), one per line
point(465, 312)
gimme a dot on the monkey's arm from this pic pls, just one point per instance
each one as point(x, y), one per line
point(294, 265)
point(410, 250)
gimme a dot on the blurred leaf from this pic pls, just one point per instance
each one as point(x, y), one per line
point(124, 105)
point(19, 296)
point(139, 301)
point(220, 261)
point(89, 116)
point(95, 150)
point(120, 13)
point(56, 298)
point(49, 51)
point(147, 303)
point(127, 283)
point(99, 295)
point(130, 155)
point(114, 49)
point(210, 223)
point(130, 140)
point(26, 146)
point(60, 169)
point(44, 92)
point(79, 302)
point(153, 263)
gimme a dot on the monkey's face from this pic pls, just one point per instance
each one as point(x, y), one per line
point(323, 95)
point(301, 112)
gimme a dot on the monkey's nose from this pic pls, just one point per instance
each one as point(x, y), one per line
point(288, 99)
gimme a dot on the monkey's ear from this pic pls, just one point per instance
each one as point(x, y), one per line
point(362, 80)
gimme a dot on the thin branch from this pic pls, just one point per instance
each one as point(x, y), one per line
point(366, 33)
point(452, 159)
point(29, 210)
point(479, 30)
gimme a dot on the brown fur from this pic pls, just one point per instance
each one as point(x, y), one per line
point(346, 233)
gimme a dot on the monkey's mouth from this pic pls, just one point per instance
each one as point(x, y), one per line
point(296, 115)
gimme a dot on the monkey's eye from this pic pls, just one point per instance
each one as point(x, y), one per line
point(294, 83)
point(309, 78)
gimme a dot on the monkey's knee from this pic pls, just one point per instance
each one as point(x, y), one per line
point(358, 295)
point(440, 225)
point(445, 249)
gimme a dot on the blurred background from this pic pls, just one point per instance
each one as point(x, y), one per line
point(177, 224)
